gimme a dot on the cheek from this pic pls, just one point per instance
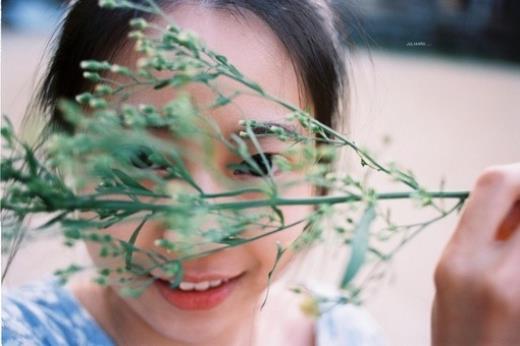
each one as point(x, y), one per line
point(264, 250)
point(123, 232)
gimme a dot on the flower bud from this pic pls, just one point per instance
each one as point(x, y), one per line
point(110, 4)
point(84, 98)
point(103, 89)
point(94, 65)
point(121, 70)
point(139, 23)
point(92, 76)
point(98, 103)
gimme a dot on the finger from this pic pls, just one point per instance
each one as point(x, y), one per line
point(513, 253)
point(488, 205)
point(510, 224)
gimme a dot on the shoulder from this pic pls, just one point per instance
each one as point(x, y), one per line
point(344, 324)
point(285, 323)
point(347, 324)
point(45, 313)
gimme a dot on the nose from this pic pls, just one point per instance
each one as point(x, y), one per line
point(207, 180)
point(187, 228)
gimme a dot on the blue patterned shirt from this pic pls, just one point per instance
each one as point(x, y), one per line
point(45, 313)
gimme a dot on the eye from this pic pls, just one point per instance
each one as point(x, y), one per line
point(265, 167)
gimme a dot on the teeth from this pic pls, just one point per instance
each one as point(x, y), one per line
point(187, 286)
point(215, 283)
point(200, 286)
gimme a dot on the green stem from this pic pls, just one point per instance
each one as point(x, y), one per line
point(86, 203)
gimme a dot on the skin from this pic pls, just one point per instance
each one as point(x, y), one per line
point(478, 288)
point(150, 319)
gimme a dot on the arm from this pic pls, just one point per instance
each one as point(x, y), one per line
point(477, 279)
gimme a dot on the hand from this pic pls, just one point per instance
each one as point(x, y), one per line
point(477, 279)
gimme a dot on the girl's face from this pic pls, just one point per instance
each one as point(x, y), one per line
point(251, 46)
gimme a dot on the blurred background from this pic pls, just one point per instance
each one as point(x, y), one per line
point(439, 78)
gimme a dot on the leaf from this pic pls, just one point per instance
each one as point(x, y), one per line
point(179, 80)
point(222, 59)
point(232, 240)
point(174, 268)
point(131, 242)
point(31, 160)
point(57, 218)
point(279, 213)
point(279, 253)
point(256, 87)
point(7, 130)
point(129, 181)
point(359, 245)
point(76, 223)
point(162, 84)
point(221, 101)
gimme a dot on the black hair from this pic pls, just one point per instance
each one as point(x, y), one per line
point(309, 30)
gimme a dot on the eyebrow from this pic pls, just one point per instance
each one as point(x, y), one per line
point(263, 128)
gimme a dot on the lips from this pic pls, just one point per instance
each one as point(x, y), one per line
point(199, 292)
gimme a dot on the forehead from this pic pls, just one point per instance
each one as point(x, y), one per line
point(250, 45)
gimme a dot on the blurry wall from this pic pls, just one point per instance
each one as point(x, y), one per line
point(478, 28)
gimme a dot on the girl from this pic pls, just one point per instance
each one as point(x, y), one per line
point(291, 49)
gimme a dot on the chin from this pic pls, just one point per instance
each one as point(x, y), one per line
point(196, 326)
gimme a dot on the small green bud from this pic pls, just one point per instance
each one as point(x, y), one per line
point(282, 163)
point(84, 98)
point(92, 76)
point(94, 237)
point(69, 243)
point(110, 4)
point(184, 38)
point(104, 271)
point(131, 292)
point(314, 127)
point(98, 103)
point(279, 132)
point(121, 70)
point(94, 65)
point(165, 244)
point(136, 34)
point(246, 123)
point(130, 111)
point(102, 280)
point(103, 89)
point(291, 117)
point(172, 28)
point(139, 23)
point(104, 252)
point(171, 269)
point(222, 59)
point(73, 233)
point(144, 63)
point(147, 109)
point(221, 101)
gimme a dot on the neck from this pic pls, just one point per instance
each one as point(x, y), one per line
point(125, 327)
